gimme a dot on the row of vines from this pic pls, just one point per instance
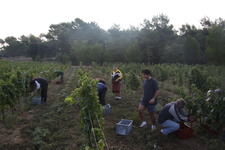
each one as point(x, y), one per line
point(15, 78)
point(91, 119)
point(188, 82)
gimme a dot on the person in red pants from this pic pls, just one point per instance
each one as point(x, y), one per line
point(116, 82)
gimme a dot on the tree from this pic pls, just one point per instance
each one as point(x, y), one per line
point(81, 52)
point(199, 35)
point(119, 41)
point(133, 53)
point(13, 47)
point(172, 53)
point(206, 22)
point(2, 42)
point(191, 50)
point(25, 44)
point(34, 47)
point(155, 36)
point(187, 29)
point(216, 44)
point(65, 34)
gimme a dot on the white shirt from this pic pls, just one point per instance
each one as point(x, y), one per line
point(38, 85)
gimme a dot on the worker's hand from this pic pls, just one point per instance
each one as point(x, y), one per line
point(117, 80)
point(152, 101)
point(192, 119)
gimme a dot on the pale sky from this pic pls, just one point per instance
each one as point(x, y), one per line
point(25, 17)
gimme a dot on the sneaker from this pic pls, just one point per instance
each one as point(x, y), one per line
point(153, 128)
point(162, 132)
point(162, 137)
point(118, 98)
point(143, 124)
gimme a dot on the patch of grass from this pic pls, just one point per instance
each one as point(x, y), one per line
point(26, 105)
point(213, 144)
point(10, 120)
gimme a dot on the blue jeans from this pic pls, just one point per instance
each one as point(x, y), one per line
point(169, 127)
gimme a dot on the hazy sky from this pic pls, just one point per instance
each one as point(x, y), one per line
point(24, 17)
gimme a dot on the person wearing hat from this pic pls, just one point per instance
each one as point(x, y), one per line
point(170, 116)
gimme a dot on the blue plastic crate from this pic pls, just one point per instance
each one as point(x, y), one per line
point(106, 109)
point(36, 100)
point(124, 127)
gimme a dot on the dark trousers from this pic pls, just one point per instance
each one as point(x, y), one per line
point(61, 78)
point(44, 90)
point(101, 95)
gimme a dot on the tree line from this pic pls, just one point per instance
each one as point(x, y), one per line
point(156, 41)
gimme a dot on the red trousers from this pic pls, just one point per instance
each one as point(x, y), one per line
point(116, 87)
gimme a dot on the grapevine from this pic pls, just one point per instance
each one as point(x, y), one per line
point(85, 96)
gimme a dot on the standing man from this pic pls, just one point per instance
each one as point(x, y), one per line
point(149, 100)
point(171, 114)
point(61, 74)
point(38, 83)
point(116, 79)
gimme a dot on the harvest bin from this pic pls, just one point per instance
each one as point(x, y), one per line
point(58, 82)
point(106, 109)
point(36, 100)
point(124, 127)
point(184, 132)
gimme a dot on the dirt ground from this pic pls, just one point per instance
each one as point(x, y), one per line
point(18, 133)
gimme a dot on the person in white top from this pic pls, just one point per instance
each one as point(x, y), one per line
point(38, 83)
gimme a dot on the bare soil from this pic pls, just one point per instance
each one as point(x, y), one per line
point(18, 133)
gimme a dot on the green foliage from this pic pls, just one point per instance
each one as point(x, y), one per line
point(37, 58)
point(85, 96)
point(159, 73)
point(40, 137)
point(215, 111)
point(15, 78)
point(190, 83)
point(132, 81)
point(215, 51)
point(133, 53)
point(65, 59)
point(208, 109)
point(180, 78)
point(198, 79)
point(196, 102)
point(155, 42)
point(213, 82)
point(191, 50)
point(87, 53)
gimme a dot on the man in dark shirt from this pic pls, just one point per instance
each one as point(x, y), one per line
point(149, 100)
point(171, 114)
